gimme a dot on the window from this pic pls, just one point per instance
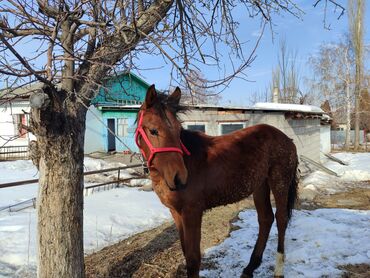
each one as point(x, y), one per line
point(122, 125)
point(19, 119)
point(228, 128)
point(197, 127)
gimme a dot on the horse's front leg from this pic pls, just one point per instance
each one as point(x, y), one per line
point(180, 228)
point(192, 221)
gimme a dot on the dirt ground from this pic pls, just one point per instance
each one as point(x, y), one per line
point(157, 253)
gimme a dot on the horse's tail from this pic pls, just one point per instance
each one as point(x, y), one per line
point(293, 191)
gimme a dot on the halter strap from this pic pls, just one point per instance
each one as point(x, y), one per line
point(153, 150)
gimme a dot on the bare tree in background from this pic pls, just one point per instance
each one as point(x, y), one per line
point(356, 11)
point(70, 46)
point(261, 96)
point(198, 92)
point(365, 104)
point(286, 77)
point(334, 75)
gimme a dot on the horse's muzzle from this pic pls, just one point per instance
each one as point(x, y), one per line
point(179, 187)
point(178, 184)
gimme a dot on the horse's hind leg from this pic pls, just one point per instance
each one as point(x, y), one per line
point(281, 191)
point(265, 219)
point(281, 216)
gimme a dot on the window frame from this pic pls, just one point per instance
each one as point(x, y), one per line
point(186, 125)
point(122, 129)
point(220, 124)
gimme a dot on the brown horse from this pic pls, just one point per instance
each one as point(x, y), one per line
point(192, 172)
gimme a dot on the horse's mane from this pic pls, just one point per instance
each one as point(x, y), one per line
point(164, 102)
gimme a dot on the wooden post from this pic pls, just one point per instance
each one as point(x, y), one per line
point(119, 176)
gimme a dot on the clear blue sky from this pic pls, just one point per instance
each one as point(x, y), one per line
point(304, 35)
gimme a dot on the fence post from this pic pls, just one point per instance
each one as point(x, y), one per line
point(119, 176)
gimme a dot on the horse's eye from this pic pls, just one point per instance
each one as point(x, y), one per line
point(153, 131)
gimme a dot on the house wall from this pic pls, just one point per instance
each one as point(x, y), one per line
point(213, 118)
point(8, 131)
point(96, 136)
point(129, 139)
point(325, 138)
point(94, 130)
point(304, 132)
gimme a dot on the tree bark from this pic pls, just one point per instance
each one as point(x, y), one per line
point(348, 118)
point(356, 17)
point(60, 131)
point(357, 117)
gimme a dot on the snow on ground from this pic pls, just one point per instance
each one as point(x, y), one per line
point(357, 170)
point(91, 164)
point(16, 171)
point(24, 170)
point(317, 242)
point(119, 213)
point(109, 216)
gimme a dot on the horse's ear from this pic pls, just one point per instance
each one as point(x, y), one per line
point(151, 95)
point(175, 96)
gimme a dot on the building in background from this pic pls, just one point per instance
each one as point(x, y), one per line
point(111, 119)
point(14, 112)
point(308, 126)
point(115, 107)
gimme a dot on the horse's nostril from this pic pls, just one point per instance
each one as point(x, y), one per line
point(179, 185)
point(177, 180)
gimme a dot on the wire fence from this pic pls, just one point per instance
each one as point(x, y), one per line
point(20, 206)
point(338, 139)
point(14, 152)
point(117, 182)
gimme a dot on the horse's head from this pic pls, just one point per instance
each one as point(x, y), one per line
point(158, 137)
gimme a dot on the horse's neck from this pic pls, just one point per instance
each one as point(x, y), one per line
point(197, 144)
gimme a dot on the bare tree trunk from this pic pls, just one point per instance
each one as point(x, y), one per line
point(60, 132)
point(357, 119)
point(356, 17)
point(348, 118)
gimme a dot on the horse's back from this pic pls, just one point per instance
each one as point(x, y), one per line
point(278, 145)
point(261, 136)
point(268, 131)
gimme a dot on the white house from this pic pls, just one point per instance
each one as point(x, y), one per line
point(14, 109)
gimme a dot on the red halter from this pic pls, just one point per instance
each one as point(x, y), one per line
point(152, 149)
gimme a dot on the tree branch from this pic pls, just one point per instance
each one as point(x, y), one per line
point(48, 10)
point(121, 42)
point(23, 62)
